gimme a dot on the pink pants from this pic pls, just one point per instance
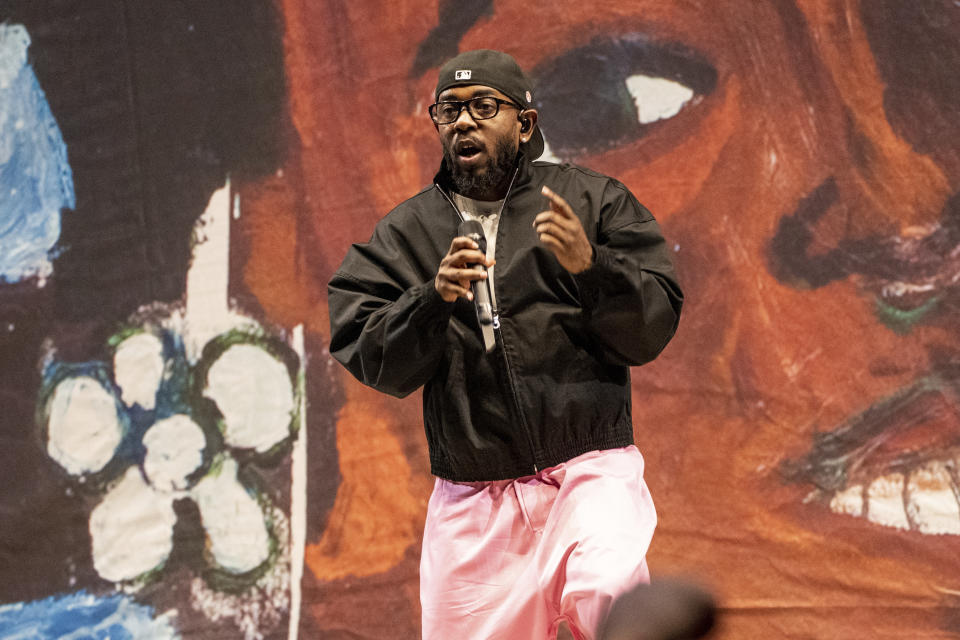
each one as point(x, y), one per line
point(510, 559)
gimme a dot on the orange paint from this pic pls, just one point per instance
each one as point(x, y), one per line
point(375, 517)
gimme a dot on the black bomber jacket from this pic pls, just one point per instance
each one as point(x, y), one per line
point(558, 383)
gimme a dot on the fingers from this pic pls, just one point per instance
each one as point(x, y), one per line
point(559, 220)
point(556, 230)
point(452, 283)
point(558, 204)
point(561, 231)
point(464, 251)
point(450, 290)
point(464, 276)
point(454, 275)
point(551, 222)
point(551, 232)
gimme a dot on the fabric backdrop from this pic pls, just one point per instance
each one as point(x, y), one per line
point(181, 458)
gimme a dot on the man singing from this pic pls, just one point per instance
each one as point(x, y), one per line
point(539, 513)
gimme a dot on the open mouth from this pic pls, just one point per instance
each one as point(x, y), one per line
point(468, 149)
point(896, 464)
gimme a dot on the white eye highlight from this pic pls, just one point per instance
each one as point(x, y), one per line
point(657, 98)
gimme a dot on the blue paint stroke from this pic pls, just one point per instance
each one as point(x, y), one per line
point(83, 616)
point(36, 181)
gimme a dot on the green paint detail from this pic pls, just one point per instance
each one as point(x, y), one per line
point(902, 321)
point(124, 333)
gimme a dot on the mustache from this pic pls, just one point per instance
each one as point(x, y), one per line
point(468, 142)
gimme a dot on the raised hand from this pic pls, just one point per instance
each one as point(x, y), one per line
point(561, 232)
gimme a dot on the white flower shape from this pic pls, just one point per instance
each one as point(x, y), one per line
point(149, 428)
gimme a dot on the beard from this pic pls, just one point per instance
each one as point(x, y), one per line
point(488, 180)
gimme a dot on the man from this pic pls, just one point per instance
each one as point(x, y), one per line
point(539, 513)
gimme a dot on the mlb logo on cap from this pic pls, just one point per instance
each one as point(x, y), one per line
point(463, 74)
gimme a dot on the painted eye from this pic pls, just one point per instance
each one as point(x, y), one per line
point(612, 91)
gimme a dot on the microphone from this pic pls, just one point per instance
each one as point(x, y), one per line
point(481, 288)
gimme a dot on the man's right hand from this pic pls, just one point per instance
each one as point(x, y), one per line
point(454, 276)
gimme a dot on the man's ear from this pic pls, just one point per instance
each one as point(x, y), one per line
point(528, 121)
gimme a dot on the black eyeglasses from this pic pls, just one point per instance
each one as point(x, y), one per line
point(481, 108)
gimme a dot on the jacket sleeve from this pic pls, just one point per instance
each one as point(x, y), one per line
point(389, 335)
point(630, 296)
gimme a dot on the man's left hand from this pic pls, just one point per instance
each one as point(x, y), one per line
point(560, 230)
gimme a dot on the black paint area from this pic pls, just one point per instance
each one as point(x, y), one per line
point(791, 254)
point(917, 50)
point(456, 17)
point(883, 438)
point(799, 255)
point(582, 95)
point(158, 103)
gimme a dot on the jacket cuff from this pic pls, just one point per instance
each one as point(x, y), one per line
point(590, 280)
point(432, 311)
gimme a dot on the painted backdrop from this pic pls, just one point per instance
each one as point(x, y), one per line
point(180, 456)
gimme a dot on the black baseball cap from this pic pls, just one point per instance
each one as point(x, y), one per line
point(497, 70)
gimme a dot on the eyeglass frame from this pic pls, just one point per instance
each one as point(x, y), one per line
point(465, 103)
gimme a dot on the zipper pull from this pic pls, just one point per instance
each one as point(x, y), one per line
point(496, 319)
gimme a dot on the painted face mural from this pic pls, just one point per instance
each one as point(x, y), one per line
point(801, 430)
point(177, 187)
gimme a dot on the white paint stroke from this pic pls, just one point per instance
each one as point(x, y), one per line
point(174, 450)
point(254, 393)
point(237, 535)
point(885, 502)
point(298, 493)
point(931, 501)
point(138, 369)
point(207, 312)
point(932, 504)
point(257, 611)
point(131, 530)
point(848, 501)
point(84, 428)
point(657, 98)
